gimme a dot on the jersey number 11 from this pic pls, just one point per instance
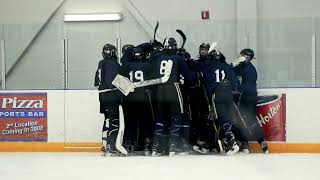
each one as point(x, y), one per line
point(220, 75)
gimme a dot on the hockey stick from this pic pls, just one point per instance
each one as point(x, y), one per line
point(148, 92)
point(215, 117)
point(239, 60)
point(212, 46)
point(212, 115)
point(241, 118)
point(184, 38)
point(126, 86)
point(155, 31)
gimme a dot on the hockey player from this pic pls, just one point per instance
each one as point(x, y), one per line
point(110, 101)
point(126, 53)
point(168, 99)
point(239, 126)
point(187, 91)
point(219, 82)
point(248, 87)
point(202, 136)
point(127, 48)
point(137, 104)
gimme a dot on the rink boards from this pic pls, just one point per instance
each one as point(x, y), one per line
point(69, 121)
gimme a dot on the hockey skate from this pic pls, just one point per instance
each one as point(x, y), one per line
point(233, 147)
point(264, 147)
point(184, 149)
point(104, 146)
point(173, 150)
point(156, 153)
point(177, 153)
point(147, 147)
point(129, 146)
point(201, 147)
point(111, 153)
point(179, 148)
point(244, 148)
point(104, 151)
point(156, 149)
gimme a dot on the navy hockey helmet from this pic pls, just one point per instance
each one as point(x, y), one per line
point(170, 44)
point(109, 50)
point(138, 53)
point(157, 48)
point(217, 55)
point(126, 47)
point(248, 53)
point(187, 56)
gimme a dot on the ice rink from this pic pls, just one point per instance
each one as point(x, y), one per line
point(93, 166)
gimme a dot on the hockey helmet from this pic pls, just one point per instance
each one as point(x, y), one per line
point(170, 44)
point(247, 53)
point(109, 50)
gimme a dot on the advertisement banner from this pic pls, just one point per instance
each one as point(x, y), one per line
point(23, 117)
point(271, 116)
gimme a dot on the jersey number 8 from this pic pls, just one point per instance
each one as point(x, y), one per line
point(163, 65)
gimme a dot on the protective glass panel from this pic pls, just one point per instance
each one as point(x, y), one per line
point(284, 53)
point(84, 47)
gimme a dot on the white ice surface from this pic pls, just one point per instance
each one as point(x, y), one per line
point(93, 166)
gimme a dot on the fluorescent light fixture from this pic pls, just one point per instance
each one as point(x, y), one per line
point(92, 17)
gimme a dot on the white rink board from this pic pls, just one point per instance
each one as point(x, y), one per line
point(73, 115)
point(302, 113)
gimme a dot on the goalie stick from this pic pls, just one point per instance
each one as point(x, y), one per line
point(126, 86)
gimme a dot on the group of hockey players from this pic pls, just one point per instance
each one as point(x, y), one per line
point(203, 105)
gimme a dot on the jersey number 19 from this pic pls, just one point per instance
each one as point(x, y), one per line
point(136, 76)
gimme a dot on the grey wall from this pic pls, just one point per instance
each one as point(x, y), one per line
point(279, 31)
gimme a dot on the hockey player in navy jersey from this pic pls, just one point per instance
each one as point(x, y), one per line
point(137, 104)
point(127, 48)
point(187, 92)
point(110, 101)
point(220, 81)
point(248, 87)
point(126, 53)
point(169, 100)
point(203, 132)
